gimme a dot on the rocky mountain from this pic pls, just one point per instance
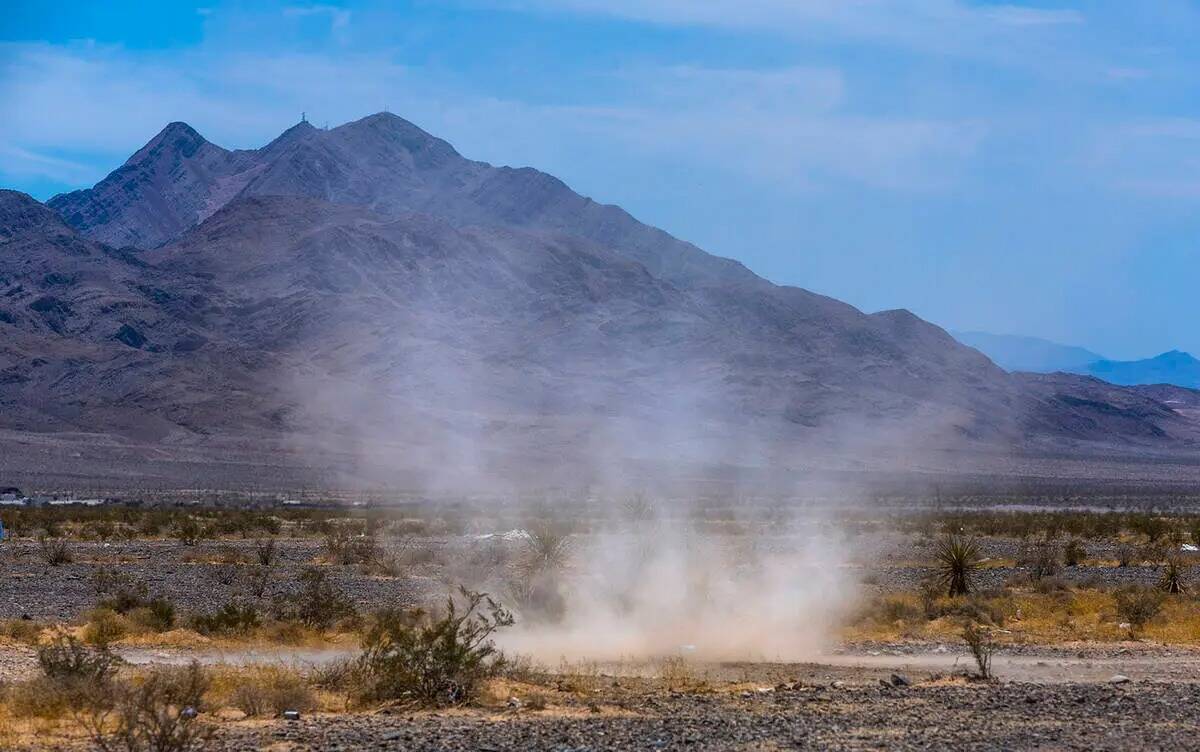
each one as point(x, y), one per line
point(367, 296)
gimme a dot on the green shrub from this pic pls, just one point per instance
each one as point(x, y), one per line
point(66, 658)
point(232, 618)
point(428, 660)
point(319, 603)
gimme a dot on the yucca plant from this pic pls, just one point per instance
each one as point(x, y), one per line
point(1173, 580)
point(958, 558)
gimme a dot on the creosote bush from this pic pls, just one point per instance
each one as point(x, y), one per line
point(416, 657)
point(1137, 605)
point(66, 658)
point(270, 691)
point(319, 604)
point(232, 618)
point(982, 646)
point(1074, 553)
point(55, 551)
point(158, 713)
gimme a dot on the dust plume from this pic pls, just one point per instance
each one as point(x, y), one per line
point(658, 589)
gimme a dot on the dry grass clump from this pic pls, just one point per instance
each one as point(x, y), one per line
point(1137, 605)
point(157, 712)
point(269, 691)
point(55, 551)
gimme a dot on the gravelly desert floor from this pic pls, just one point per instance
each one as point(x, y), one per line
point(976, 717)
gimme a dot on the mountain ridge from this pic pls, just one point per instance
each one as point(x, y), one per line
point(344, 291)
point(1035, 355)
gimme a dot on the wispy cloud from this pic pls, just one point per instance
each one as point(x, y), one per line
point(339, 18)
point(946, 27)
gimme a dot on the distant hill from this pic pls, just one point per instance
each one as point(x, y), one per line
point(1174, 367)
point(1034, 355)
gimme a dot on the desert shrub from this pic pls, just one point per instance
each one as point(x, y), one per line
point(232, 618)
point(320, 603)
point(66, 658)
point(1040, 558)
point(1126, 553)
point(344, 545)
point(1137, 605)
point(1173, 578)
point(264, 551)
point(429, 660)
point(547, 545)
point(1074, 553)
point(160, 713)
point(229, 555)
point(270, 691)
point(119, 590)
point(890, 609)
point(104, 627)
point(975, 608)
point(55, 551)
point(982, 646)
point(22, 630)
point(255, 580)
point(187, 530)
point(1051, 586)
point(958, 559)
point(1151, 526)
point(122, 594)
point(157, 615)
point(537, 595)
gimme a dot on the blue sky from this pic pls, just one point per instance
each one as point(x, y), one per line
point(1027, 168)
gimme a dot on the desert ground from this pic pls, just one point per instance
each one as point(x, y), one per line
point(633, 623)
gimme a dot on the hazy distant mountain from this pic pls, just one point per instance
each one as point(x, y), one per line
point(367, 291)
point(1174, 367)
point(1016, 353)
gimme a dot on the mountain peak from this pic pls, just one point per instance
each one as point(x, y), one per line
point(177, 138)
point(297, 132)
point(389, 127)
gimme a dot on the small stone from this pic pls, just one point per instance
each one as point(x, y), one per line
point(188, 712)
point(838, 684)
point(1119, 679)
point(899, 680)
